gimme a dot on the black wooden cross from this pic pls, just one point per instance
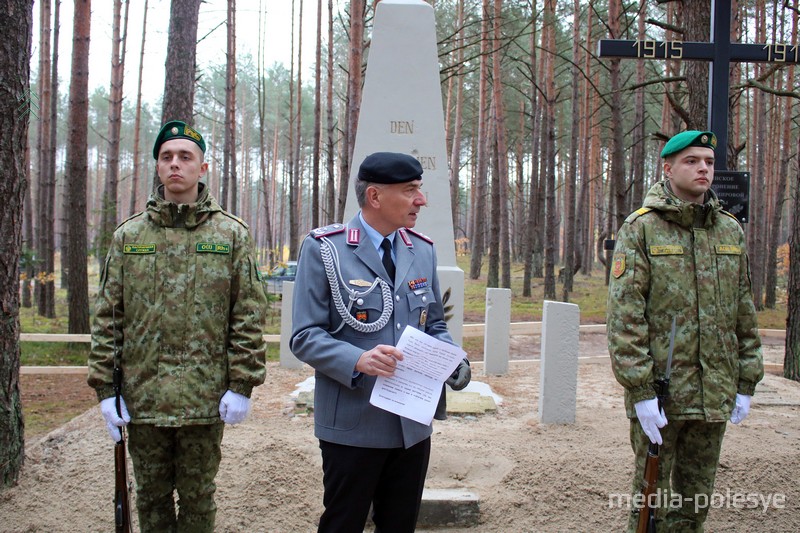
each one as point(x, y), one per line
point(719, 52)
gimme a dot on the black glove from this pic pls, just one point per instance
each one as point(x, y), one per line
point(461, 376)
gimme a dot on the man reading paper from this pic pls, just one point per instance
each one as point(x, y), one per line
point(358, 285)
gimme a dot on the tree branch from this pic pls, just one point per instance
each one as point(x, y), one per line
point(665, 26)
point(760, 86)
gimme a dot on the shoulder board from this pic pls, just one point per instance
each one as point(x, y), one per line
point(639, 212)
point(731, 215)
point(140, 213)
point(237, 219)
point(420, 235)
point(324, 231)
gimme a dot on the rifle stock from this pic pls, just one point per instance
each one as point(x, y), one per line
point(122, 497)
point(647, 513)
point(122, 494)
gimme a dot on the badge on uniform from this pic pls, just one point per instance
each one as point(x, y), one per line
point(423, 317)
point(360, 283)
point(419, 283)
point(618, 267)
point(361, 316)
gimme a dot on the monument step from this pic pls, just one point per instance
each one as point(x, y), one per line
point(443, 508)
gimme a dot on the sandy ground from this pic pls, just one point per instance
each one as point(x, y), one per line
point(529, 476)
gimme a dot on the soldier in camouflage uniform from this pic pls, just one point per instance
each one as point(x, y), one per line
point(181, 300)
point(682, 256)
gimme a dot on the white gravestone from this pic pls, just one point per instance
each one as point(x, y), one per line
point(498, 329)
point(287, 358)
point(559, 369)
point(401, 111)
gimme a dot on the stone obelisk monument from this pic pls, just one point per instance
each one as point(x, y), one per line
point(401, 111)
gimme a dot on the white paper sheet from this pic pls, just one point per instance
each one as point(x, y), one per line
point(413, 392)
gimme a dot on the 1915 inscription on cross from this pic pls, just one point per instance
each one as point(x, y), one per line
point(720, 52)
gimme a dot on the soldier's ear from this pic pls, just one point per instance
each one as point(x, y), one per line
point(372, 196)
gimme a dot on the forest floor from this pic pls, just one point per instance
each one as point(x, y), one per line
point(529, 476)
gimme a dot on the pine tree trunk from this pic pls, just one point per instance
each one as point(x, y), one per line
point(266, 183)
point(455, 147)
point(180, 62)
point(571, 179)
point(315, 157)
point(493, 272)
point(532, 213)
point(550, 176)
point(46, 181)
point(52, 145)
point(133, 207)
point(791, 362)
point(15, 53)
point(77, 170)
point(296, 195)
point(330, 190)
point(479, 208)
point(108, 205)
point(354, 77)
point(28, 245)
point(504, 250)
point(228, 200)
point(638, 160)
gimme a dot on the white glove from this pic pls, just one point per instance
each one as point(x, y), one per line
point(651, 419)
point(742, 408)
point(233, 407)
point(113, 421)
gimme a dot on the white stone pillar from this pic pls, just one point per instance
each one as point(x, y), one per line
point(401, 111)
point(559, 367)
point(497, 334)
point(287, 358)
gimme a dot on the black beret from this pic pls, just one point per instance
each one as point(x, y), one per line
point(175, 129)
point(688, 138)
point(390, 167)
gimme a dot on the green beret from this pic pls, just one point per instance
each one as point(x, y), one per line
point(390, 167)
point(688, 138)
point(175, 129)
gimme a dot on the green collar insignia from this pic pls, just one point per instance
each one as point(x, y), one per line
point(139, 249)
point(211, 248)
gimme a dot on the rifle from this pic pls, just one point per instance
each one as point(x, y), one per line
point(122, 495)
point(647, 513)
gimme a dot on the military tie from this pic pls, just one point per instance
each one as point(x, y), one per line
point(388, 264)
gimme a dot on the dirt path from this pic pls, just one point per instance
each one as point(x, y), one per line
point(529, 476)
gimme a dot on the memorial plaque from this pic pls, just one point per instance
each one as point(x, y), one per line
point(733, 189)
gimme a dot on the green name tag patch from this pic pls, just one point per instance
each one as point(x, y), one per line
point(139, 249)
point(728, 249)
point(666, 249)
point(212, 248)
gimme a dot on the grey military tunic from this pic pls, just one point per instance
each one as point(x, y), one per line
point(332, 344)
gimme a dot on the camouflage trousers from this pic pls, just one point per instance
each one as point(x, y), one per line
point(168, 459)
point(688, 459)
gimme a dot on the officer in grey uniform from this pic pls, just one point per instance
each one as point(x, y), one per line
point(357, 287)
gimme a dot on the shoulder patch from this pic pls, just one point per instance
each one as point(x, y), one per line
point(420, 235)
point(639, 212)
point(324, 231)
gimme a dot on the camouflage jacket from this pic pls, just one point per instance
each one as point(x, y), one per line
point(188, 313)
point(677, 259)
